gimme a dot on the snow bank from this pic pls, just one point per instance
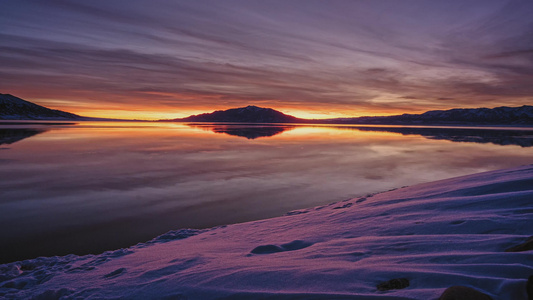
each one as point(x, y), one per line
point(429, 236)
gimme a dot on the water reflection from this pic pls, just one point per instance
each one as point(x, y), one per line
point(13, 135)
point(99, 186)
point(522, 137)
point(247, 131)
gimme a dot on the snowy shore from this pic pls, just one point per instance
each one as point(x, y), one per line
point(432, 236)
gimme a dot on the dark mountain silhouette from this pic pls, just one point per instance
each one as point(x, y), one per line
point(249, 131)
point(459, 116)
point(14, 108)
point(249, 114)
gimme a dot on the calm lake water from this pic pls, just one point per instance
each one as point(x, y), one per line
point(90, 187)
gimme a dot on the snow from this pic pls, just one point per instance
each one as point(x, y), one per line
point(452, 232)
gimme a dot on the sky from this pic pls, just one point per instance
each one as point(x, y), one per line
point(313, 59)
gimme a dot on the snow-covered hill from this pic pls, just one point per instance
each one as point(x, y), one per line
point(14, 108)
point(466, 236)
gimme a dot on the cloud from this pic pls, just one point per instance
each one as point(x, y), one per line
point(389, 56)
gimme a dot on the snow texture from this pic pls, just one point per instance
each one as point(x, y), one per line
point(413, 243)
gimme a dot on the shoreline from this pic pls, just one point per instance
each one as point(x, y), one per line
point(439, 234)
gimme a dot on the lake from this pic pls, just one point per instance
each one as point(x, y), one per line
point(87, 187)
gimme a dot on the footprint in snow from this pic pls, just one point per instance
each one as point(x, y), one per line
point(362, 199)
point(115, 273)
point(268, 249)
point(458, 222)
point(343, 206)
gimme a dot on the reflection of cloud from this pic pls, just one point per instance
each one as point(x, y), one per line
point(248, 131)
point(12, 135)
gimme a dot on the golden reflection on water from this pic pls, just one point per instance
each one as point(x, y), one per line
point(319, 132)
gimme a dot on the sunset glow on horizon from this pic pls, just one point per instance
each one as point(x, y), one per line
point(147, 114)
point(164, 60)
point(131, 112)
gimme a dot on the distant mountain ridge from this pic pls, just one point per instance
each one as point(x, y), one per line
point(459, 116)
point(14, 108)
point(248, 114)
point(503, 115)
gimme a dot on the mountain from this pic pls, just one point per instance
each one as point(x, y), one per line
point(459, 116)
point(14, 108)
point(249, 114)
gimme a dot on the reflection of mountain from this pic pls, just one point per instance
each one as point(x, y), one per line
point(523, 138)
point(11, 135)
point(248, 131)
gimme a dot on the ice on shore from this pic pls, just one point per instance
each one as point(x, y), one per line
point(429, 237)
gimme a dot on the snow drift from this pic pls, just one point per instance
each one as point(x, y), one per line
point(424, 238)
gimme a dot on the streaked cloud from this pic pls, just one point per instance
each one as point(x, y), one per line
point(327, 58)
